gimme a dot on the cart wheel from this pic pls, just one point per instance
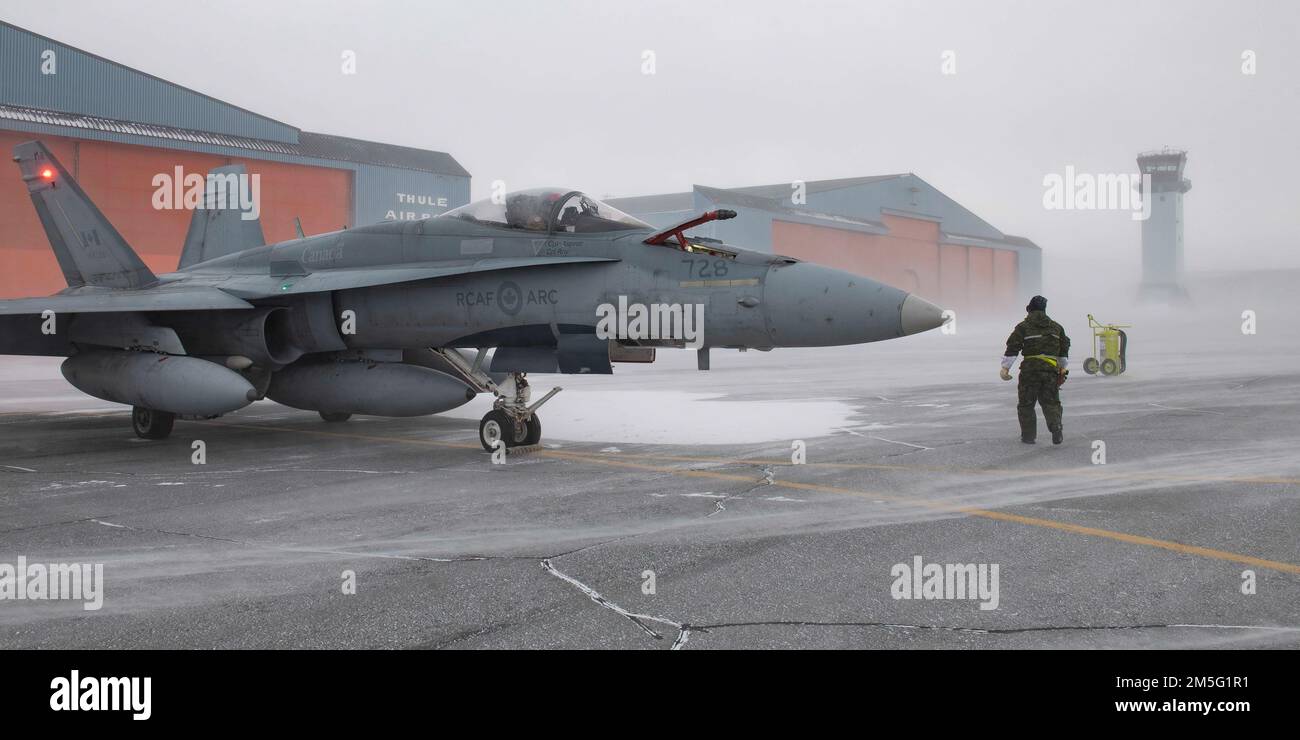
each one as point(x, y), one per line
point(1108, 367)
point(1090, 366)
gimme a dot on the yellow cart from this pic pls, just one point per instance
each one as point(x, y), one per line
point(1109, 348)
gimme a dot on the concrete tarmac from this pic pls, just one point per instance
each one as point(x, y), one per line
point(1184, 537)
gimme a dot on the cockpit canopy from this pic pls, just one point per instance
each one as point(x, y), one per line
point(547, 210)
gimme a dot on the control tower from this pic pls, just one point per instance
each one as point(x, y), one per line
point(1162, 233)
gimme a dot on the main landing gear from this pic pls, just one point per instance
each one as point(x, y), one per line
point(151, 424)
point(513, 419)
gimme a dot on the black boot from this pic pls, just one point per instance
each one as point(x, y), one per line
point(1058, 436)
point(1027, 440)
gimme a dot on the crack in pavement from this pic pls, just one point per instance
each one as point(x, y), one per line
point(915, 447)
point(990, 630)
point(685, 629)
point(639, 620)
point(768, 479)
point(352, 553)
point(1179, 408)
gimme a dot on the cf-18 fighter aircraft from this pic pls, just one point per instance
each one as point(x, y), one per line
point(407, 318)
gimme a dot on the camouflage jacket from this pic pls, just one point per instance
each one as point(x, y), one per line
point(1038, 335)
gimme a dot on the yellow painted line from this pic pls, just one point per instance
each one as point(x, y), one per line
point(718, 283)
point(984, 513)
point(346, 435)
point(1054, 472)
point(1051, 472)
point(1132, 539)
point(71, 414)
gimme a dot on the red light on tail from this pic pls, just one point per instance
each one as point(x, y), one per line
point(47, 173)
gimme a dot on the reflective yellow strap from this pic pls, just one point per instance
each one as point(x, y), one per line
point(1045, 358)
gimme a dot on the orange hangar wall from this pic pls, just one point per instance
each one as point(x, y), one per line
point(912, 257)
point(906, 258)
point(120, 179)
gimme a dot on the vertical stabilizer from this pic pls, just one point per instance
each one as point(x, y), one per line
point(88, 248)
point(216, 231)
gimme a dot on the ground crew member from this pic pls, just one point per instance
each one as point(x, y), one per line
point(1042, 371)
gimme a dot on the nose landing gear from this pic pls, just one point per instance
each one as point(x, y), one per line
point(512, 420)
point(515, 432)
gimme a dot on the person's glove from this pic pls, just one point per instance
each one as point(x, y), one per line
point(1061, 376)
point(1004, 373)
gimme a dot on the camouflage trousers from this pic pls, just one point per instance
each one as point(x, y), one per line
point(1038, 386)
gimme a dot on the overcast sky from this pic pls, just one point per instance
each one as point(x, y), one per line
point(745, 93)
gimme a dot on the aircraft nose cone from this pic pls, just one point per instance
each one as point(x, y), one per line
point(811, 305)
point(918, 315)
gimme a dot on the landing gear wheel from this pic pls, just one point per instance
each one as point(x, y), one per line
point(497, 425)
point(151, 424)
point(534, 435)
point(1108, 367)
point(335, 417)
point(1090, 366)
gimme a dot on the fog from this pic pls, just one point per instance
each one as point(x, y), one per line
point(748, 93)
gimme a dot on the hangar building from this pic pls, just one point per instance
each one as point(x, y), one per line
point(117, 129)
point(897, 229)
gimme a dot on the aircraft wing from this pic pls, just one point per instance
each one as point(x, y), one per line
point(266, 286)
point(100, 300)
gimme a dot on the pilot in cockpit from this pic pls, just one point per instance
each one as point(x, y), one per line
point(572, 215)
point(529, 212)
point(569, 218)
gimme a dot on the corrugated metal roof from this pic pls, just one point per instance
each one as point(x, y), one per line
point(665, 203)
point(369, 152)
point(1021, 241)
point(318, 146)
point(773, 198)
point(78, 121)
point(91, 84)
point(815, 186)
point(678, 201)
point(734, 197)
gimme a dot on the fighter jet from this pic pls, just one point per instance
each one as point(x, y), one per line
point(409, 318)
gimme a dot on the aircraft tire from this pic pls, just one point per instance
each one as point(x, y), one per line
point(151, 424)
point(534, 435)
point(495, 425)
